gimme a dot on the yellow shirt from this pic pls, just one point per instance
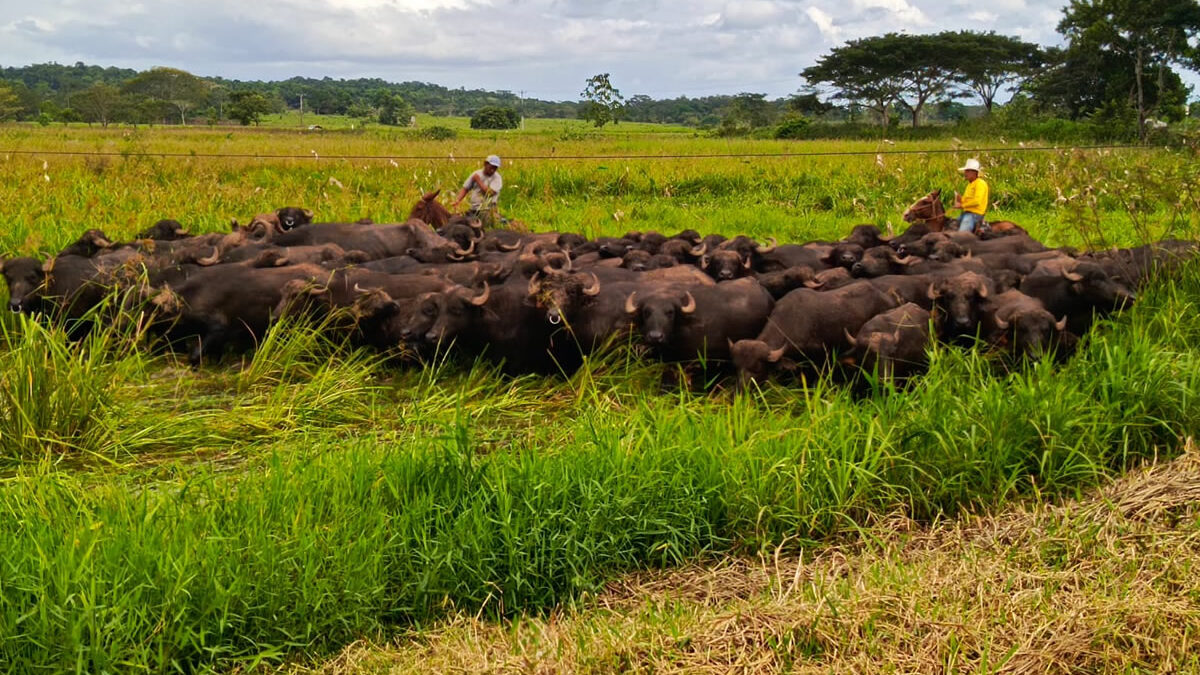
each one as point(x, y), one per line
point(975, 198)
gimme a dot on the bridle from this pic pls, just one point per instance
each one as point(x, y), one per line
point(936, 218)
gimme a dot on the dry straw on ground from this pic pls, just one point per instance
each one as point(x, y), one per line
point(1106, 583)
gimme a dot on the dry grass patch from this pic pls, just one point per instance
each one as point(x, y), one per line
point(1106, 583)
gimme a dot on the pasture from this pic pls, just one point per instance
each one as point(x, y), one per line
point(278, 506)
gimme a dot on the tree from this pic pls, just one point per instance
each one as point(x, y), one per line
point(603, 102)
point(746, 112)
point(98, 103)
point(860, 75)
point(178, 88)
point(1152, 35)
point(10, 104)
point(394, 110)
point(495, 117)
point(248, 107)
point(986, 62)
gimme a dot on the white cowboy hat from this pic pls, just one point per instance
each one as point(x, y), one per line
point(495, 161)
point(971, 165)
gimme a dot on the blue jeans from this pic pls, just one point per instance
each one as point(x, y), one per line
point(968, 221)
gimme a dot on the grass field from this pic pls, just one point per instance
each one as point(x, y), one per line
point(276, 508)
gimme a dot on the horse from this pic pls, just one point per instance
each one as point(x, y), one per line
point(930, 211)
point(429, 211)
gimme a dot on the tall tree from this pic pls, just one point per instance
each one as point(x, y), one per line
point(986, 62)
point(603, 102)
point(860, 75)
point(179, 88)
point(248, 107)
point(99, 103)
point(1151, 34)
point(10, 104)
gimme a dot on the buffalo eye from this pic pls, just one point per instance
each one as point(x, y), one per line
point(428, 310)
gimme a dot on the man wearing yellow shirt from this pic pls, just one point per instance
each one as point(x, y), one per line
point(974, 200)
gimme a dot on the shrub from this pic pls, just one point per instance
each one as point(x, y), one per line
point(793, 127)
point(495, 117)
point(438, 132)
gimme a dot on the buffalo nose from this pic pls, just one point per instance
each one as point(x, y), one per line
point(726, 274)
point(14, 305)
point(857, 268)
point(431, 336)
point(902, 249)
point(962, 321)
point(654, 336)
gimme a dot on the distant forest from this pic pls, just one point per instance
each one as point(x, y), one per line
point(65, 91)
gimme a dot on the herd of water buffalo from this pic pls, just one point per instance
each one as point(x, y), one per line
point(542, 302)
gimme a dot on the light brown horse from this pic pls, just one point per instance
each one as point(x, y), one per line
point(930, 211)
point(430, 211)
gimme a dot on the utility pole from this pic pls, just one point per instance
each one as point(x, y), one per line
point(301, 110)
point(521, 103)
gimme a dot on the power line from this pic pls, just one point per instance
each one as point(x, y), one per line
point(557, 157)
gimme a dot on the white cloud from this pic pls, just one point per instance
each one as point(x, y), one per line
point(824, 23)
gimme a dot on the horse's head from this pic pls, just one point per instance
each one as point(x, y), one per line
point(430, 211)
point(926, 208)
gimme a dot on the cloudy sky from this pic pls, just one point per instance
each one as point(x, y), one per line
point(544, 48)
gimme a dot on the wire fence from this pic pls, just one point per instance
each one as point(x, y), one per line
point(557, 157)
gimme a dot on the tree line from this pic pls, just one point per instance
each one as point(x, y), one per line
point(1118, 71)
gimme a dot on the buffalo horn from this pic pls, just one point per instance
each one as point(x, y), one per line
point(508, 247)
point(456, 257)
point(813, 283)
point(768, 249)
point(631, 304)
point(482, 298)
point(476, 224)
point(700, 250)
point(48, 266)
point(535, 284)
point(1071, 276)
point(933, 292)
point(180, 231)
point(690, 305)
point(849, 338)
point(212, 259)
point(703, 262)
point(594, 287)
point(1001, 323)
point(1061, 324)
point(777, 354)
point(308, 214)
point(746, 263)
point(982, 292)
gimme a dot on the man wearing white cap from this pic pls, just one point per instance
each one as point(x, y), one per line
point(483, 188)
point(974, 200)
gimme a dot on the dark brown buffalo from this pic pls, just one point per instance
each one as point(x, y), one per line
point(959, 301)
point(809, 326)
point(377, 241)
point(698, 323)
point(26, 284)
point(88, 245)
point(227, 305)
point(1014, 320)
point(725, 265)
point(893, 344)
point(164, 230)
point(1081, 291)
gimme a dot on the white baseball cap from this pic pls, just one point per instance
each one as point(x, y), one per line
point(971, 165)
point(494, 160)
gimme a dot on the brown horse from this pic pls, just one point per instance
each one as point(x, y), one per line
point(930, 211)
point(430, 211)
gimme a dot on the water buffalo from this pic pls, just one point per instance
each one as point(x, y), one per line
point(893, 344)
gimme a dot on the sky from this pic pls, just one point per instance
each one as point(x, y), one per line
point(543, 49)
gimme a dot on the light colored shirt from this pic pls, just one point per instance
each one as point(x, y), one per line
point(480, 201)
point(975, 197)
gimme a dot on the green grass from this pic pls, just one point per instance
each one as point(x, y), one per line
point(309, 494)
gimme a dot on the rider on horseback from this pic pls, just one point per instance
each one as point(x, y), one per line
point(974, 200)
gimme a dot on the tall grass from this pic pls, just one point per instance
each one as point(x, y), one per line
point(331, 539)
